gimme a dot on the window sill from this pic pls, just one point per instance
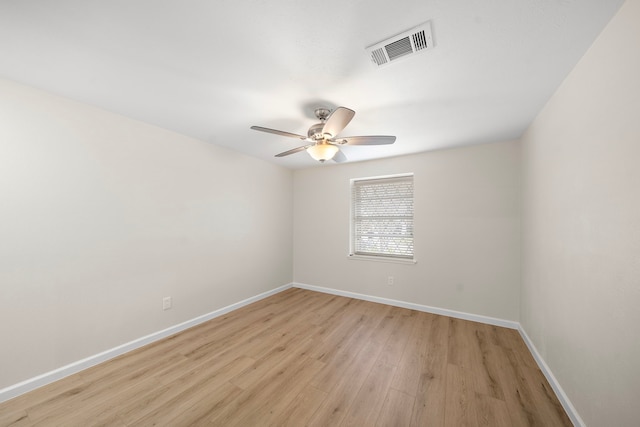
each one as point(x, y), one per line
point(381, 259)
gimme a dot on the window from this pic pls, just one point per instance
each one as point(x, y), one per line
point(382, 217)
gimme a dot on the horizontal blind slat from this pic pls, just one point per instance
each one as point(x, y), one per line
point(382, 220)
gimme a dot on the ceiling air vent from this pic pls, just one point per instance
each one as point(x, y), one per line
point(417, 39)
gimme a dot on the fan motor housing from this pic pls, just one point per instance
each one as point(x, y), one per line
point(322, 113)
point(315, 132)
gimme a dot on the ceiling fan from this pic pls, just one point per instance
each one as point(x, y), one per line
point(322, 140)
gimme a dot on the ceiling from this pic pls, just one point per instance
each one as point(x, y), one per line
point(210, 69)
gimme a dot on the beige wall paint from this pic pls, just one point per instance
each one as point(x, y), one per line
point(581, 228)
point(101, 216)
point(467, 230)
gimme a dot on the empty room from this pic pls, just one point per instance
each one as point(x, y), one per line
point(339, 213)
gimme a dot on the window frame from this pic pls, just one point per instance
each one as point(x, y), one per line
point(382, 257)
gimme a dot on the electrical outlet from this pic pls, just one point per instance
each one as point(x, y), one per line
point(390, 280)
point(166, 303)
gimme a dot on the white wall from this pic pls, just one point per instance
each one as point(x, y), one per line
point(101, 216)
point(581, 228)
point(467, 230)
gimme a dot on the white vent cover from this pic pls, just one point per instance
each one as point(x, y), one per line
point(417, 39)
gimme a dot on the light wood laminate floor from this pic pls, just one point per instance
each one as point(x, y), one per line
point(306, 358)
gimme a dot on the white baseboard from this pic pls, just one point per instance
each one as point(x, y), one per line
point(418, 307)
point(75, 367)
point(555, 385)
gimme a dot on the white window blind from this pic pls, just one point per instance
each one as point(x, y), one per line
point(382, 217)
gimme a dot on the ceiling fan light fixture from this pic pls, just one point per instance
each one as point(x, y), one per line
point(321, 142)
point(322, 151)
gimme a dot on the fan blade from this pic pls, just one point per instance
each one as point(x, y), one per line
point(293, 151)
point(278, 132)
point(339, 157)
point(338, 120)
point(366, 140)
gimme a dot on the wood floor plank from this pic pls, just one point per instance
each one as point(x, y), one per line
point(16, 418)
point(384, 329)
point(331, 344)
point(225, 338)
point(301, 409)
point(335, 406)
point(270, 409)
point(194, 412)
point(458, 344)
point(253, 401)
point(54, 394)
point(407, 375)
point(329, 313)
point(484, 372)
point(399, 336)
point(368, 327)
point(546, 402)
point(460, 400)
point(511, 339)
point(84, 396)
point(341, 362)
point(488, 366)
point(305, 358)
point(429, 407)
point(366, 406)
point(212, 385)
point(518, 395)
point(327, 379)
point(296, 344)
point(396, 410)
point(157, 403)
point(492, 412)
